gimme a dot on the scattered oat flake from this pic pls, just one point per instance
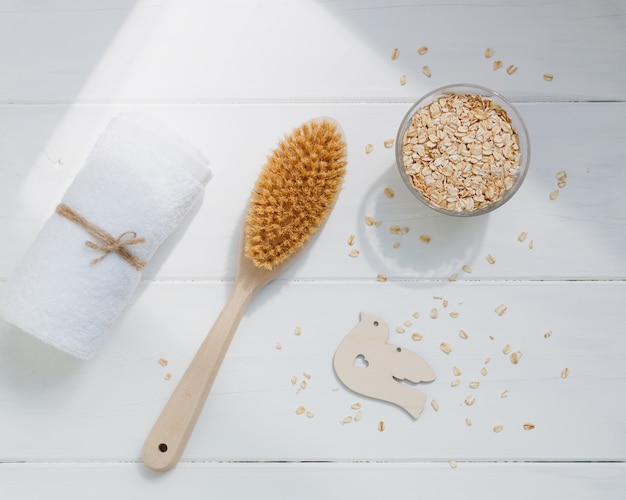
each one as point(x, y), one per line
point(303, 384)
point(389, 192)
point(490, 259)
point(497, 65)
point(445, 303)
point(381, 426)
point(554, 194)
point(377, 223)
point(278, 346)
point(500, 310)
point(455, 382)
point(467, 268)
point(522, 236)
point(531, 244)
point(456, 370)
point(381, 277)
point(547, 334)
point(483, 371)
point(357, 416)
point(474, 384)
point(469, 400)
point(351, 239)
point(422, 50)
point(548, 77)
point(396, 244)
point(506, 349)
point(310, 414)
point(463, 334)
point(297, 330)
point(400, 329)
point(346, 420)
point(528, 426)
point(434, 404)
point(426, 71)
point(445, 347)
point(408, 323)
point(498, 428)
point(454, 314)
point(417, 336)
point(300, 410)
point(294, 380)
point(416, 314)
point(369, 148)
point(424, 238)
point(403, 80)
point(395, 53)
point(488, 52)
point(163, 361)
point(468, 422)
point(452, 277)
point(564, 372)
point(434, 313)
point(354, 253)
point(168, 376)
point(356, 406)
point(487, 360)
point(453, 464)
point(504, 393)
point(561, 175)
point(515, 357)
point(388, 143)
point(306, 375)
point(369, 220)
point(511, 69)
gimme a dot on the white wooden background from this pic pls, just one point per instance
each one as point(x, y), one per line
point(233, 77)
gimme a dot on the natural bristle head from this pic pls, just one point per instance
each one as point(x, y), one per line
point(295, 192)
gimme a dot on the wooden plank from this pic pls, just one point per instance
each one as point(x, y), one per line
point(56, 408)
point(577, 236)
point(315, 480)
point(188, 51)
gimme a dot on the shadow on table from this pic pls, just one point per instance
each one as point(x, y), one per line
point(409, 240)
point(32, 366)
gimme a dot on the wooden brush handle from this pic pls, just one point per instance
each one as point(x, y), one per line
point(168, 438)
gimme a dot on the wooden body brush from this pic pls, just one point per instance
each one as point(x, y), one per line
point(292, 198)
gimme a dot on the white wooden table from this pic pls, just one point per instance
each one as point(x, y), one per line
point(233, 77)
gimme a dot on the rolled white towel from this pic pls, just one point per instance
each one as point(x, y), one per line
point(135, 187)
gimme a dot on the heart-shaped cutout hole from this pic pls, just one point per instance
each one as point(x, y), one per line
point(360, 362)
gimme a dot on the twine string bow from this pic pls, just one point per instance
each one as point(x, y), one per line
point(115, 245)
point(109, 243)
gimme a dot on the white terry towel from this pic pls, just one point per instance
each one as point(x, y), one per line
point(138, 183)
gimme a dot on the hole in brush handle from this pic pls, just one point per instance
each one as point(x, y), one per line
point(163, 447)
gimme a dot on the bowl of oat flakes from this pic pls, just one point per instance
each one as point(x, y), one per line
point(463, 150)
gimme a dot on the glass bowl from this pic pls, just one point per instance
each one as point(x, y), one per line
point(463, 150)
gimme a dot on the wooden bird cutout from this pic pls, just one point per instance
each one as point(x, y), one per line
point(368, 365)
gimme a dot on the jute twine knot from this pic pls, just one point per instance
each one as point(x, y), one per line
point(123, 240)
point(109, 243)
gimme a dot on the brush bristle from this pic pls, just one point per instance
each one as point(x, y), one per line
point(295, 192)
